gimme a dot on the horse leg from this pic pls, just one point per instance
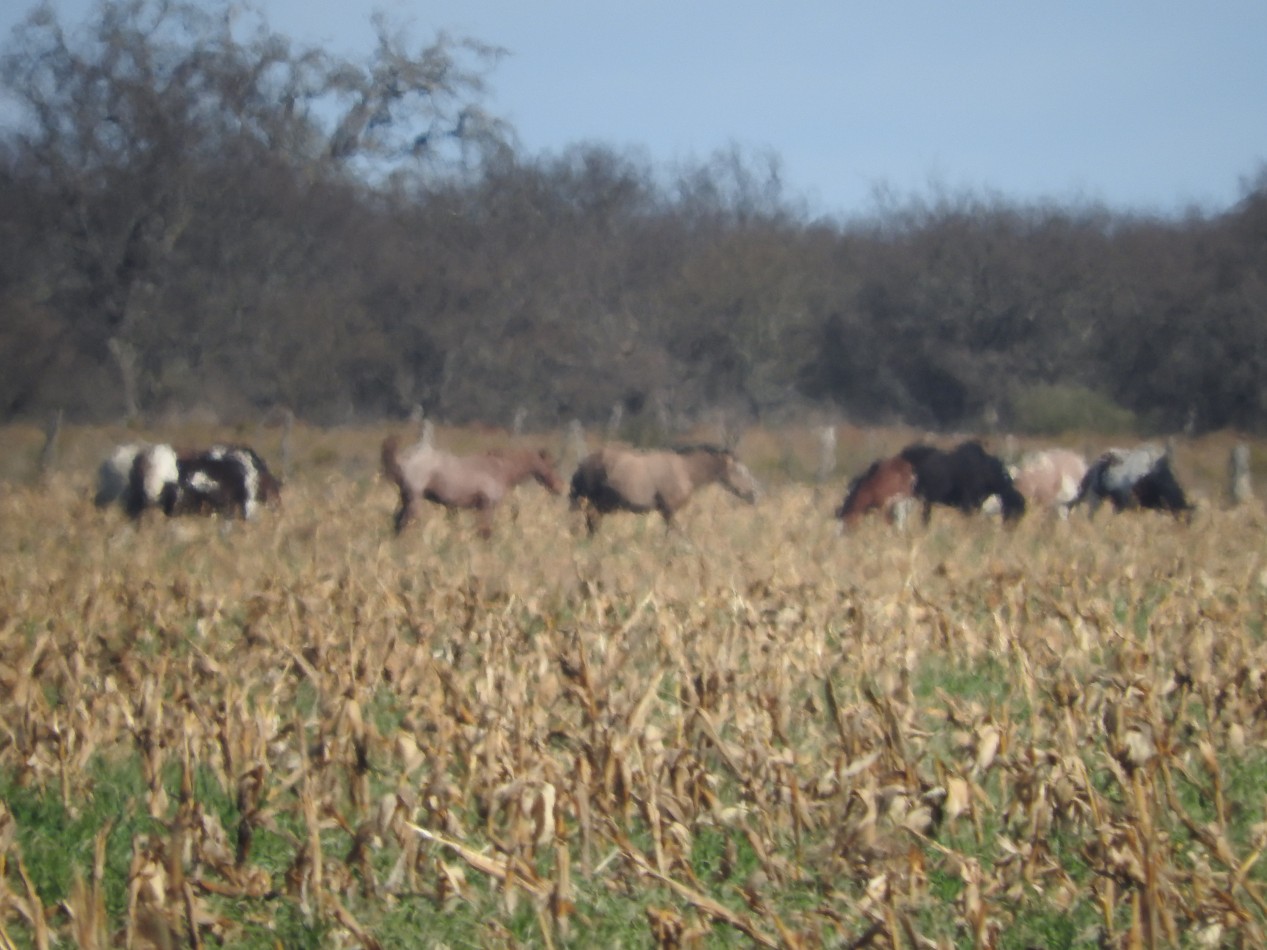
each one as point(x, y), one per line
point(592, 516)
point(484, 517)
point(404, 514)
point(666, 513)
point(1122, 499)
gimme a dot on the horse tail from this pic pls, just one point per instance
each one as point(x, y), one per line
point(587, 480)
point(390, 455)
point(1091, 485)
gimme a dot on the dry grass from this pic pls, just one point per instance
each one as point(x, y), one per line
point(301, 731)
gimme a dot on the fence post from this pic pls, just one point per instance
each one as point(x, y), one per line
point(48, 453)
point(826, 453)
point(576, 448)
point(288, 449)
point(1239, 488)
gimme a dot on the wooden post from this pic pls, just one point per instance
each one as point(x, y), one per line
point(576, 448)
point(517, 426)
point(613, 422)
point(1011, 450)
point(1239, 488)
point(826, 453)
point(288, 426)
point(991, 419)
point(125, 358)
point(663, 417)
point(48, 453)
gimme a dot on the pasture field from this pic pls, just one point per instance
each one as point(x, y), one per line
point(304, 732)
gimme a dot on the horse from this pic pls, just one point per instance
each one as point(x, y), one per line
point(1133, 478)
point(224, 479)
point(622, 479)
point(962, 478)
point(478, 481)
point(887, 485)
point(1050, 478)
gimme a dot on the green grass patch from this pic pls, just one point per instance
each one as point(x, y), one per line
point(57, 842)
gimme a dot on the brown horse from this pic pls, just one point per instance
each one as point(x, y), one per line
point(888, 485)
point(621, 479)
point(462, 481)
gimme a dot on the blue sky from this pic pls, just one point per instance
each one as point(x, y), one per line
point(1144, 106)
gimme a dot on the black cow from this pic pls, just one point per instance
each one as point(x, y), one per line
point(962, 478)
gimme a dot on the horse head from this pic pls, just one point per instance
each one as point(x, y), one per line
point(737, 480)
point(1013, 502)
point(545, 473)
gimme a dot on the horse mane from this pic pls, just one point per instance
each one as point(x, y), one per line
point(918, 452)
point(520, 452)
point(852, 492)
point(859, 479)
point(857, 482)
point(708, 447)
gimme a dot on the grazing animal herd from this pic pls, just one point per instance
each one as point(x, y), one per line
point(234, 481)
point(970, 479)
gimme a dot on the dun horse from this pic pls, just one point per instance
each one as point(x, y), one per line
point(621, 479)
point(479, 482)
point(888, 485)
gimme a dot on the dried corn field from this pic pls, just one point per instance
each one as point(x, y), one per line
point(301, 731)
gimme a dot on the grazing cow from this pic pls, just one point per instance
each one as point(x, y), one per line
point(887, 485)
point(962, 478)
point(1133, 478)
point(1050, 478)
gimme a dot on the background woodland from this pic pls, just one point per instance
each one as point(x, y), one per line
point(198, 214)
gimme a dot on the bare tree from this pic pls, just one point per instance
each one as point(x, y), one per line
point(148, 121)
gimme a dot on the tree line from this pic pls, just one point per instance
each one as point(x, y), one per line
point(198, 212)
